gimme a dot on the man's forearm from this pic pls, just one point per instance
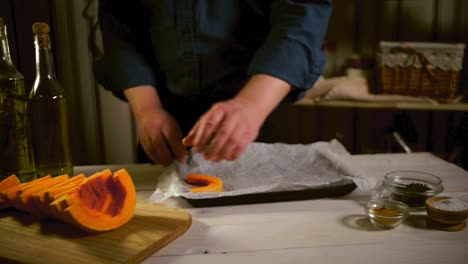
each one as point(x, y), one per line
point(263, 92)
point(142, 99)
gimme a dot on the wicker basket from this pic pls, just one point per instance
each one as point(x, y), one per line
point(420, 69)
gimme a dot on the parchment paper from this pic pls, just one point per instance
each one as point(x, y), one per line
point(267, 168)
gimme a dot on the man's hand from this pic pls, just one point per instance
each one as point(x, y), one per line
point(161, 137)
point(226, 130)
point(159, 133)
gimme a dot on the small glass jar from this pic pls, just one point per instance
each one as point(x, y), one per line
point(411, 187)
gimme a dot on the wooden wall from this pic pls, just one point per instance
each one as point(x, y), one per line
point(357, 26)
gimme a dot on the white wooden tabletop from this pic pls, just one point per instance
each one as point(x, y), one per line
point(328, 230)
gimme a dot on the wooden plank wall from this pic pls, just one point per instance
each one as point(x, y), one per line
point(356, 27)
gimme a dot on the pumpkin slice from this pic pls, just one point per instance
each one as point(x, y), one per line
point(57, 207)
point(25, 195)
point(57, 201)
point(10, 182)
point(53, 194)
point(25, 200)
point(103, 202)
point(9, 195)
point(208, 183)
point(41, 198)
point(59, 197)
point(70, 188)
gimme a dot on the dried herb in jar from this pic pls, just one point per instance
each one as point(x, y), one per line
point(414, 187)
point(412, 194)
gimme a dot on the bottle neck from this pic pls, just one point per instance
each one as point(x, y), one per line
point(44, 59)
point(4, 47)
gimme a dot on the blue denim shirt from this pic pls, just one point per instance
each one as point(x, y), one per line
point(210, 46)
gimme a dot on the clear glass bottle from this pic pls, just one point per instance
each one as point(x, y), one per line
point(16, 155)
point(48, 112)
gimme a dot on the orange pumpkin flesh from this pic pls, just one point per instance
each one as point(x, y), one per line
point(42, 200)
point(9, 195)
point(10, 182)
point(25, 202)
point(58, 206)
point(54, 194)
point(208, 183)
point(102, 202)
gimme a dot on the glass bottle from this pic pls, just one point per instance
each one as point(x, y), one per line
point(16, 155)
point(48, 112)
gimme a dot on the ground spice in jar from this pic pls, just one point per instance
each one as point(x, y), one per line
point(386, 212)
point(412, 194)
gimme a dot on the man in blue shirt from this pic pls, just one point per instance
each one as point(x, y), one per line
point(209, 70)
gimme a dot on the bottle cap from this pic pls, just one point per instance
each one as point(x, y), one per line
point(40, 28)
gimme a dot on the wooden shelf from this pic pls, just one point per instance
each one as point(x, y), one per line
point(457, 107)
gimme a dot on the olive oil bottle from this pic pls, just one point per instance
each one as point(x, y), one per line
point(16, 155)
point(48, 112)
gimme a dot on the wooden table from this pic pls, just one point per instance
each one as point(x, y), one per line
point(331, 230)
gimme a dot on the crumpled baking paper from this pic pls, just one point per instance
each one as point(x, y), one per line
point(267, 167)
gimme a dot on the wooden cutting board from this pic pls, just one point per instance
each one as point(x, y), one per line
point(26, 240)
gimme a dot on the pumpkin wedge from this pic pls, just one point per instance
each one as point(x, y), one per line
point(102, 202)
point(39, 197)
point(9, 182)
point(25, 200)
point(57, 207)
point(42, 199)
point(207, 183)
point(9, 195)
point(53, 194)
point(56, 202)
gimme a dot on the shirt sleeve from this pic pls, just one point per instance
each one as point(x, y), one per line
point(123, 64)
point(292, 49)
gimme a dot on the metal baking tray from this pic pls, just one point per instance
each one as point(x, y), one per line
point(337, 189)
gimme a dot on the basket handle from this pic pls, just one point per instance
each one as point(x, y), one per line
point(413, 54)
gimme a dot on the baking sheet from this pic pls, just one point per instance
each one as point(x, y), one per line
point(269, 172)
point(340, 188)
